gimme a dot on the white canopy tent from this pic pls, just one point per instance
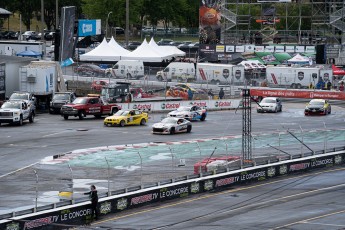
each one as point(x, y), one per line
point(145, 53)
point(299, 59)
point(252, 64)
point(119, 49)
point(174, 50)
point(103, 52)
point(160, 49)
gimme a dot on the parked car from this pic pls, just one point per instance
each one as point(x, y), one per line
point(318, 106)
point(133, 45)
point(98, 84)
point(164, 42)
point(119, 30)
point(59, 99)
point(191, 113)
point(90, 70)
point(10, 35)
point(172, 125)
point(16, 112)
point(270, 104)
point(127, 117)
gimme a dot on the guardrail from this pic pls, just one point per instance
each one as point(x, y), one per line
point(63, 214)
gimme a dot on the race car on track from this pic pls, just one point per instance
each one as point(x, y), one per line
point(270, 104)
point(318, 106)
point(127, 117)
point(172, 125)
point(191, 113)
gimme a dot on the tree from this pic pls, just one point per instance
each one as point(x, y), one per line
point(27, 8)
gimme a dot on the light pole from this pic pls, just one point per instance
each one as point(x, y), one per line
point(106, 25)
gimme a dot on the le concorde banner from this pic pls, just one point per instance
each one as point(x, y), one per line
point(318, 94)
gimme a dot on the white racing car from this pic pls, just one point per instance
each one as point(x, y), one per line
point(172, 125)
point(191, 113)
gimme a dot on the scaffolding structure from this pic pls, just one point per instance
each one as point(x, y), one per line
point(299, 21)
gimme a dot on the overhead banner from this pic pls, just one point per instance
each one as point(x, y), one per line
point(209, 22)
point(89, 27)
point(67, 32)
point(333, 95)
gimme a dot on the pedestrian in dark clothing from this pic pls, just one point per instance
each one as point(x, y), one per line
point(221, 93)
point(190, 94)
point(210, 94)
point(94, 201)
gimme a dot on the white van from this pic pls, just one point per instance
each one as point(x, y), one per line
point(181, 71)
point(130, 69)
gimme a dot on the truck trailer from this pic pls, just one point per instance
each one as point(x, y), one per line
point(297, 77)
point(220, 73)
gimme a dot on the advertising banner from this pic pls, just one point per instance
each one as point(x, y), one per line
point(299, 49)
point(259, 48)
point(310, 49)
point(289, 49)
point(89, 27)
point(230, 49)
point(334, 95)
point(67, 32)
point(172, 105)
point(209, 22)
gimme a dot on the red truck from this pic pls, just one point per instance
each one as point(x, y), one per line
point(138, 92)
point(83, 106)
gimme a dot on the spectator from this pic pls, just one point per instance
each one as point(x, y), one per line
point(341, 87)
point(190, 94)
point(94, 201)
point(328, 85)
point(311, 86)
point(221, 93)
point(210, 94)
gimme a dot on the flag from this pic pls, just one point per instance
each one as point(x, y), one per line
point(67, 62)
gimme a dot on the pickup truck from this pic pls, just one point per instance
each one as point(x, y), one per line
point(15, 112)
point(60, 99)
point(29, 98)
point(83, 106)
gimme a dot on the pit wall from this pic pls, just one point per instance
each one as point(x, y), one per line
point(80, 214)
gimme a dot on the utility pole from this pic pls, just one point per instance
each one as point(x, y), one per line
point(127, 22)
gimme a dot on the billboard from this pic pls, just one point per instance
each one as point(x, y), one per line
point(67, 32)
point(209, 22)
point(89, 27)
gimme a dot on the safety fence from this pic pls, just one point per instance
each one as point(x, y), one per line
point(67, 214)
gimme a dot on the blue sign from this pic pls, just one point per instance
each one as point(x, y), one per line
point(88, 28)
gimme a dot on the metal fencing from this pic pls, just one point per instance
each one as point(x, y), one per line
point(116, 169)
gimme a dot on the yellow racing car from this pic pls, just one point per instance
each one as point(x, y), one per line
point(127, 117)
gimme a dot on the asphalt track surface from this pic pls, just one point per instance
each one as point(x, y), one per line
point(50, 135)
point(306, 201)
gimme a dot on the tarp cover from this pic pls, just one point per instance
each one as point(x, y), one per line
point(29, 53)
point(299, 59)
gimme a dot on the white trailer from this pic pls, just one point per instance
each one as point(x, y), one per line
point(219, 73)
point(43, 79)
point(296, 77)
point(11, 48)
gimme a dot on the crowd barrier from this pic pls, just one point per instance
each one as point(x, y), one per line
point(80, 214)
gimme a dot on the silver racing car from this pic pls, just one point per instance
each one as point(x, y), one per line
point(172, 125)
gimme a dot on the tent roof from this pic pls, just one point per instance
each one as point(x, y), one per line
point(299, 59)
point(160, 49)
point(174, 50)
point(29, 53)
point(103, 52)
point(116, 46)
point(4, 12)
point(145, 53)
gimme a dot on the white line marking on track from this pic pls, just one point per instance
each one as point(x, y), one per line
point(20, 169)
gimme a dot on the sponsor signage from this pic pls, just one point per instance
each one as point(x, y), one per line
point(280, 49)
point(89, 27)
point(239, 49)
point(334, 95)
point(269, 48)
point(249, 48)
point(299, 49)
point(259, 48)
point(230, 49)
point(220, 49)
point(289, 49)
point(310, 49)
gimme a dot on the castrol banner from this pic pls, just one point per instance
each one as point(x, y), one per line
point(173, 105)
point(290, 93)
